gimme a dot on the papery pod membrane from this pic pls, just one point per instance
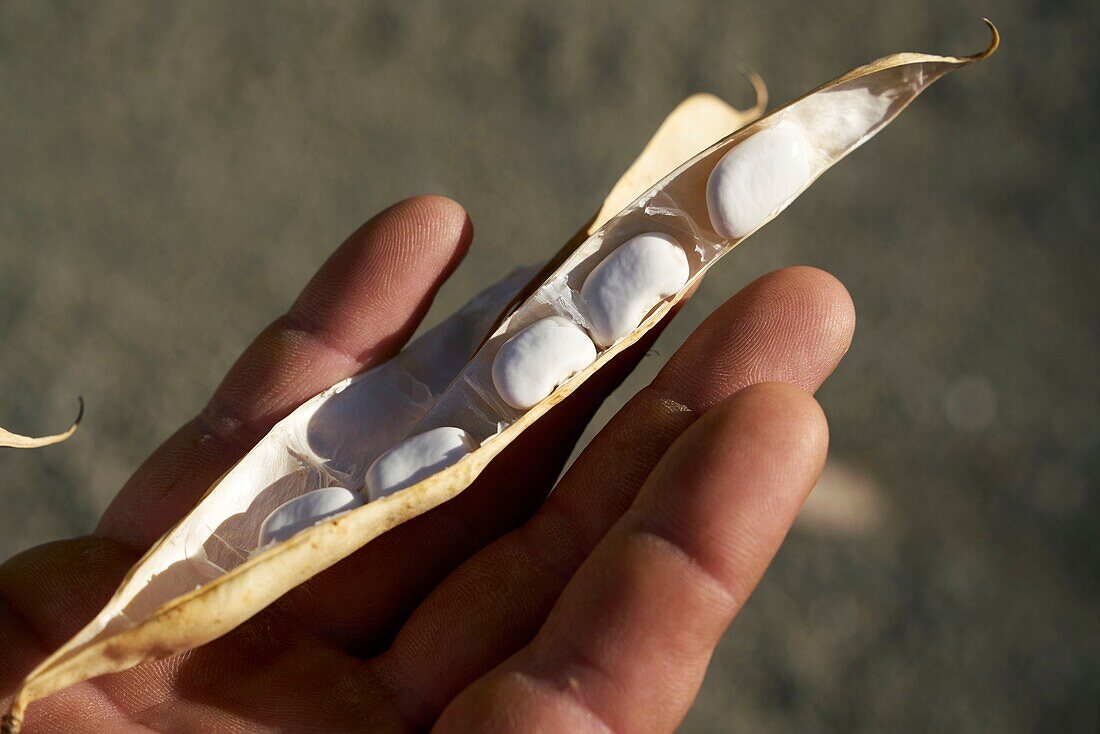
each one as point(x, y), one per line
point(196, 583)
point(16, 441)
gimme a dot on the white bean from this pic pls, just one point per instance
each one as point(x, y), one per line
point(756, 178)
point(307, 510)
point(538, 359)
point(417, 458)
point(622, 289)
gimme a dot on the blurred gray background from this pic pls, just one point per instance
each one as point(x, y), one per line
point(171, 175)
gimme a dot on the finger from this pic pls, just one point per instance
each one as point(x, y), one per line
point(627, 644)
point(793, 325)
point(357, 311)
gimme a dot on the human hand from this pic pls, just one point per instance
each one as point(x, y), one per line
point(503, 610)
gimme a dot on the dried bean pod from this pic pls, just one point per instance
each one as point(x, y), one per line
point(115, 641)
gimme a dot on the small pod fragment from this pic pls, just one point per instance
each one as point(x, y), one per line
point(9, 439)
point(538, 359)
point(417, 458)
point(756, 178)
point(307, 510)
point(629, 282)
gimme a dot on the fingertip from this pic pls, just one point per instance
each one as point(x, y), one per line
point(815, 298)
point(438, 204)
point(445, 220)
point(781, 416)
point(774, 431)
point(834, 305)
point(793, 325)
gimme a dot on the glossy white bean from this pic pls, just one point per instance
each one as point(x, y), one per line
point(629, 282)
point(417, 458)
point(309, 509)
point(538, 359)
point(756, 178)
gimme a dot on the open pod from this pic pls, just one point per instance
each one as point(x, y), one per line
point(207, 575)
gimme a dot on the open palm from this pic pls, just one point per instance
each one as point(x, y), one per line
point(594, 609)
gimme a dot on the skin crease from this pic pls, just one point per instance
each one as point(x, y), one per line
point(503, 610)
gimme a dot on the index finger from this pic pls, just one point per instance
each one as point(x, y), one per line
point(357, 311)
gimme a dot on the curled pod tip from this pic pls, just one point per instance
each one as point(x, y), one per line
point(994, 42)
point(758, 86)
